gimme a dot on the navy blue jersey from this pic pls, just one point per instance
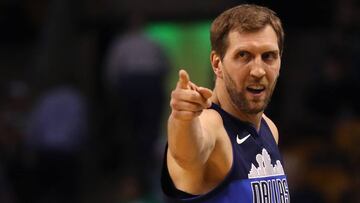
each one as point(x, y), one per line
point(256, 175)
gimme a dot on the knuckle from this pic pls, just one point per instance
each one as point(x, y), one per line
point(174, 104)
point(193, 96)
point(173, 93)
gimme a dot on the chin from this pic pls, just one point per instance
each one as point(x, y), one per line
point(256, 108)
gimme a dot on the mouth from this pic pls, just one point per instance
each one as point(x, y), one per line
point(255, 89)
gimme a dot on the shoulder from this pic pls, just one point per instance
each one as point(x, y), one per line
point(212, 123)
point(211, 118)
point(272, 127)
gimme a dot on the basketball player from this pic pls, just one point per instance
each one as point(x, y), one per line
point(221, 147)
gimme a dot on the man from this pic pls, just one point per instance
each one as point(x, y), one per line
point(221, 146)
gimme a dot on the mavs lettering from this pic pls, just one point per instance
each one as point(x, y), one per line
point(270, 191)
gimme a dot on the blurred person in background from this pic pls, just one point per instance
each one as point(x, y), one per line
point(135, 72)
point(221, 146)
point(56, 133)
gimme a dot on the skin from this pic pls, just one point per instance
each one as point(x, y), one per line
point(200, 154)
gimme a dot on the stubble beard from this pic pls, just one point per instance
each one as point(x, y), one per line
point(240, 101)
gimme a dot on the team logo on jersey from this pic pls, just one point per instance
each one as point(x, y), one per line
point(270, 184)
point(265, 168)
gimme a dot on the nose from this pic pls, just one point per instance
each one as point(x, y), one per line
point(257, 69)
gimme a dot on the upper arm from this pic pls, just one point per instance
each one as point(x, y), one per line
point(273, 128)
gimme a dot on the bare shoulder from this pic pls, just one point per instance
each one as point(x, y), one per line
point(211, 119)
point(272, 127)
point(212, 125)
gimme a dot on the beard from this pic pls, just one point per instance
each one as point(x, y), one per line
point(242, 103)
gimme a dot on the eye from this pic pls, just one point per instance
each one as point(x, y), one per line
point(243, 55)
point(269, 56)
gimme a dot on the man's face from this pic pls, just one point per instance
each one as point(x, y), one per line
point(250, 69)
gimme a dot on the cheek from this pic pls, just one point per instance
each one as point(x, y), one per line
point(273, 74)
point(239, 82)
point(240, 76)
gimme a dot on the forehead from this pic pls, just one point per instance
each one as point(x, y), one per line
point(264, 39)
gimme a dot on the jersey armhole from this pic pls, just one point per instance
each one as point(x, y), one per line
point(273, 129)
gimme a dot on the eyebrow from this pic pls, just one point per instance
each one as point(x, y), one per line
point(268, 47)
point(273, 51)
point(240, 49)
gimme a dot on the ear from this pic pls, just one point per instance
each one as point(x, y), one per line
point(216, 64)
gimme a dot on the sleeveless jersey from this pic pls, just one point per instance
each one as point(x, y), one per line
point(256, 175)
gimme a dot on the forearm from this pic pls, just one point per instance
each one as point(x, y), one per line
point(186, 141)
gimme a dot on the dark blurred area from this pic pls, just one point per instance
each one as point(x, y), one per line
point(84, 97)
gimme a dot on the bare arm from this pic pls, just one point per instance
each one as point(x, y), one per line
point(189, 143)
point(273, 128)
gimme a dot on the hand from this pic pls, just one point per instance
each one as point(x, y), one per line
point(187, 99)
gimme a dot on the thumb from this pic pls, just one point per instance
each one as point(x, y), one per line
point(206, 94)
point(184, 79)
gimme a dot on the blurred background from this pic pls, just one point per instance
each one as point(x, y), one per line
point(85, 85)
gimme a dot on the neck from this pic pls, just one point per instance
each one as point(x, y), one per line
point(222, 98)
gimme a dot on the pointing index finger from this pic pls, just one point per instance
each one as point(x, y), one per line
point(184, 79)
